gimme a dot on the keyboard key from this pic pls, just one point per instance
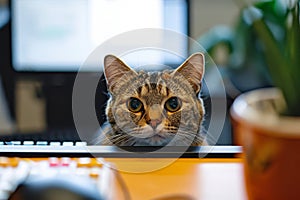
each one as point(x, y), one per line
point(14, 162)
point(28, 143)
point(8, 142)
point(95, 172)
point(68, 144)
point(84, 162)
point(65, 161)
point(81, 144)
point(53, 162)
point(16, 142)
point(59, 135)
point(4, 161)
point(42, 143)
point(55, 144)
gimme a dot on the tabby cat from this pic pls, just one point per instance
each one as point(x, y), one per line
point(153, 108)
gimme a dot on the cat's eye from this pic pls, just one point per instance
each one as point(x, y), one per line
point(134, 105)
point(173, 104)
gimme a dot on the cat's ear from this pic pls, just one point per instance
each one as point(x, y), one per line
point(193, 70)
point(114, 69)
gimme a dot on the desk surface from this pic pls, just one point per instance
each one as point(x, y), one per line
point(159, 178)
point(204, 179)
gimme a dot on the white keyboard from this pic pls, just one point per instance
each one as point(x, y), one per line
point(14, 171)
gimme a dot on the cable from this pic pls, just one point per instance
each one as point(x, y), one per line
point(122, 184)
point(119, 179)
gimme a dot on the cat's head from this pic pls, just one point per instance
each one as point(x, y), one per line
point(155, 108)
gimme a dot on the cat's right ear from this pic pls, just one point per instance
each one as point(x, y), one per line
point(114, 69)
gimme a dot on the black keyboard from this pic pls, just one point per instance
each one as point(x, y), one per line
point(65, 137)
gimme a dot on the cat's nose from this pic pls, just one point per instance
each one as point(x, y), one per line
point(154, 123)
point(154, 116)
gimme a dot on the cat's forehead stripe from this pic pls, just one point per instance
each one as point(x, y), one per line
point(144, 90)
point(154, 82)
point(162, 87)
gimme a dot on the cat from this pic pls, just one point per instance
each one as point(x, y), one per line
point(153, 108)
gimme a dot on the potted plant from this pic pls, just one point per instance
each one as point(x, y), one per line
point(266, 122)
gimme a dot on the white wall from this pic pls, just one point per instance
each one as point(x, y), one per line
point(207, 13)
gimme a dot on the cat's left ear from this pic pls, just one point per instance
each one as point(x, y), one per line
point(193, 70)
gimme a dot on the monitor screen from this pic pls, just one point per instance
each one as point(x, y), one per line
point(58, 35)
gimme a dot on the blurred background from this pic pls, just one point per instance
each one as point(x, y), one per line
point(36, 77)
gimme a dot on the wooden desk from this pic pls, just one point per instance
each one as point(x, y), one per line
point(154, 178)
point(204, 179)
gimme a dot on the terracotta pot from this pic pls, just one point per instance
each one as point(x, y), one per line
point(271, 145)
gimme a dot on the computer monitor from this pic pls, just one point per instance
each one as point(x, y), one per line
point(51, 40)
point(58, 35)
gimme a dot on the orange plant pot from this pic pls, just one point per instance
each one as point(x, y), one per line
point(271, 145)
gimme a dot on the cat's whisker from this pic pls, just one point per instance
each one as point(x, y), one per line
point(183, 141)
point(125, 141)
point(116, 139)
point(188, 138)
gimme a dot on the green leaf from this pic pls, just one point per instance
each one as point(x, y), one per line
point(277, 62)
